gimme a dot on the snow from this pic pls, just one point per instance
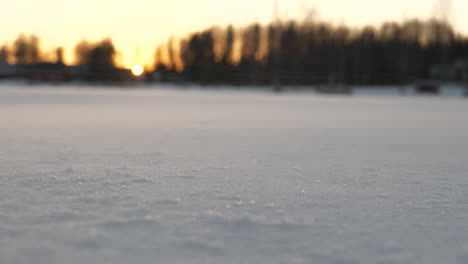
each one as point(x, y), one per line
point(185, 176)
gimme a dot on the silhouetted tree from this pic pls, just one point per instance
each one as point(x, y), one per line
point(250, 50)
point(34, 49)
point(171, 54)
point(83, 52)
point(160, 64)
point(102, 61)
point(59, 55)
point(4, 54)
point(26, 49)
point(198, 56)
point(99, 58)
point(228, 46)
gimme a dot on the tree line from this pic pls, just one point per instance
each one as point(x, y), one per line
point(285, 52)
point(313, 52)
point(99, 58)
point(26, 50)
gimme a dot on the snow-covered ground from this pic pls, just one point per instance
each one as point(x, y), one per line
point(172, 176)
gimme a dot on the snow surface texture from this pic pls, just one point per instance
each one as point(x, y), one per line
point(170, 176)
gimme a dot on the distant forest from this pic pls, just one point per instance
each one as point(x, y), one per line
point(282, 52)
point(314, 52)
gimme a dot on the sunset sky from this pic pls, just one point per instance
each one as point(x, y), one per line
point(143, 24)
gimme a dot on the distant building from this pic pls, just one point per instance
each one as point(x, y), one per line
point(79, 72)
point(8, 71)
point(46, 72)
point(59, 72)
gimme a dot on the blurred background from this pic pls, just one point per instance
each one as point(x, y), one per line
point(325, 46)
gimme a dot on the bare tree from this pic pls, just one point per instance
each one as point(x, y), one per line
point(4, 54)
point(59, 55)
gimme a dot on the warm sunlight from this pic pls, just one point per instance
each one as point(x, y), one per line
point(137, 70)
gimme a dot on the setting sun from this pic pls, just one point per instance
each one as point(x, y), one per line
point(137, 70)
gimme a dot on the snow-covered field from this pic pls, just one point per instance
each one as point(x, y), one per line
point(172, 176)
